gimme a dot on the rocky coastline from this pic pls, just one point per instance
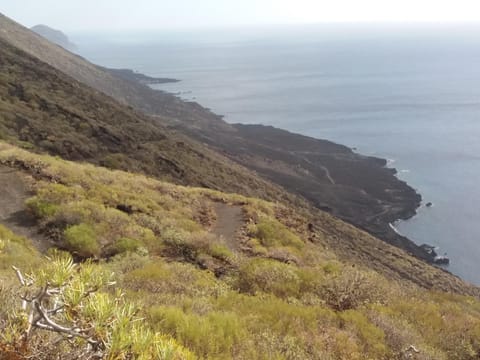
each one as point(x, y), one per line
point(361, 190)
point(134, 76)
point(358, 189)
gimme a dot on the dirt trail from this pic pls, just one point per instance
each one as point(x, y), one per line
point(229, 221)
point(13, 193)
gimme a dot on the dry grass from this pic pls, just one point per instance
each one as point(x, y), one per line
point(262, 304)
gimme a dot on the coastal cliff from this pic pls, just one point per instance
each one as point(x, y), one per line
point(358, 189)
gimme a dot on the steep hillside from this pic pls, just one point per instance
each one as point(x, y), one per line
point(358, 189)
point(43, 109)
point(127, 92)
point(198, 205)
point(213, 275)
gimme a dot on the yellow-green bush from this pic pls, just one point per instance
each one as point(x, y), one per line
point(82, 240)
point(191, 247)
point(213, 335)
point(351, 288)
point(262, 275)
point(16, 250)
point(371, 337)
point(171, 278)
point(272, 233)
point(443, 324)
point(305, 304)
point(91, 315)
point(41, 209)
point(125, 245)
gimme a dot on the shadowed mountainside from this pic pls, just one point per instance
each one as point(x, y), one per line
point(358, 189)
point(43, 109)
point(212, 269)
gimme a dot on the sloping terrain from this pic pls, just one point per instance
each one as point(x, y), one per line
point(228, 224)
point(195, 272)
point(59, 204)
point(14, 191)
point(283, 295)
point(358, 189)
point(43, 109)
point(124, 91)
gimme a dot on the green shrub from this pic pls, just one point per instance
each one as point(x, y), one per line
point(444, 325)
point(177, 244)
point(101, 317)
point(16, 250)
point(190, 247)
point(371, 337)
point(172, 279)
point(221, 252)
point(213, 335)
point(81, 240)
point(40, 208)
point(271, 233)
point(124, 245)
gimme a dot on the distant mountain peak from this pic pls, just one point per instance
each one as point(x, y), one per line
point(54, 36)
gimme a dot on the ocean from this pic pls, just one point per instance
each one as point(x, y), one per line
point(408, 93)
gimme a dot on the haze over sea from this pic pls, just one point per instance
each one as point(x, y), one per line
point(410, 93)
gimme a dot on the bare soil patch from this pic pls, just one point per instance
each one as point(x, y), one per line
point(229, 222)
point(14, 191)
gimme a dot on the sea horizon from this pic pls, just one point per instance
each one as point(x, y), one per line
point(409, 94)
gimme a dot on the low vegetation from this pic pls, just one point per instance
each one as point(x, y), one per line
point(66, 314)
point(277, 295)
point(44, 110)
point(136, 270)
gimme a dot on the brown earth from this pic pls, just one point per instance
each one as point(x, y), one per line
point(14, 191)
point(229, 222)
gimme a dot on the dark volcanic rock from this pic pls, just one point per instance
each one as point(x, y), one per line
point(134, 76)
point(356, 188)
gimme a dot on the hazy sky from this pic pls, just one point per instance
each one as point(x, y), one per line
point(153, 14)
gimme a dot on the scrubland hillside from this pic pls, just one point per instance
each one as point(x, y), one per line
point(272, 290)
point(356, 188)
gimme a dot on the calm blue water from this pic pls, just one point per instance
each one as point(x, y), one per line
point(410, 94)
